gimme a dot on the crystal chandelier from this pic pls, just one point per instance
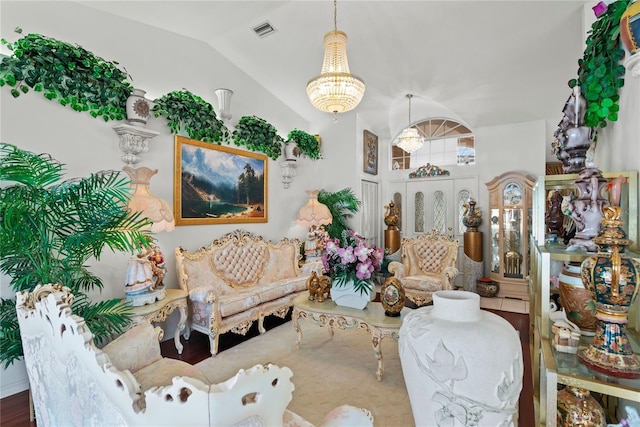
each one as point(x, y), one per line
point(335, 90)
point(409, 140)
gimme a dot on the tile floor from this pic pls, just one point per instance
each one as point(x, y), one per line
point(505, 304)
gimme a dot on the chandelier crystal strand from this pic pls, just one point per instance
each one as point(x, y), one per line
point(335, 90)
point(409, 139)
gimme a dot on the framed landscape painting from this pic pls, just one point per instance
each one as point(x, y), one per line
point(216, 184)
point(370, 153)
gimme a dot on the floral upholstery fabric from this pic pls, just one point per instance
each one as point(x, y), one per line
point(423, 283)
point(200, 314)
point(282, 265)
point(161, 373)
point(135, 349)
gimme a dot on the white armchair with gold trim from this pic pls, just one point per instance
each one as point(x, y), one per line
point(428, 265)
point(129, 383)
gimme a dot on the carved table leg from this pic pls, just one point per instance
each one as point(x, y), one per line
point(376, 341)
point(181, 324)
point(295, 315)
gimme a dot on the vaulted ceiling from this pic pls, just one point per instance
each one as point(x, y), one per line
point(483, 63)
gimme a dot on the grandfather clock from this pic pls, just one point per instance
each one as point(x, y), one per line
point(510, 200)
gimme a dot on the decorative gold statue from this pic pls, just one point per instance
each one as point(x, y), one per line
point(319, 287)
point(391, 234)
point(391, 215)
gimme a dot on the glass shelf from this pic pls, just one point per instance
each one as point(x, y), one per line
point(571, 371)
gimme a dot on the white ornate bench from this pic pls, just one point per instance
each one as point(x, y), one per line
point(238, 279)
point(129, 383)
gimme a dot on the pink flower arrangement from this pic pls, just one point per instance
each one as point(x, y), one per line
point(351, 259)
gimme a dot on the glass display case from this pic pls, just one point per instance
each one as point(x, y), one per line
point(552, 369)
point(510, 198)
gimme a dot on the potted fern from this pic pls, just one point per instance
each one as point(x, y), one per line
point(258, 135)
point(306, 143)
point(51, 228)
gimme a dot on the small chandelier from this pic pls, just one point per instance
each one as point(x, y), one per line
point(335, 90)
point(409, 140)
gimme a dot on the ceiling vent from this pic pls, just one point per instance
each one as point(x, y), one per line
point(264, 29)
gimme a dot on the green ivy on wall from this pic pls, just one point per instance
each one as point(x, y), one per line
point(68, 73)
point(83, 81)
point(183, 109)
point(600, 74)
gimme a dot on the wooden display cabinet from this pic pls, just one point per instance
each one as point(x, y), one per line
point(510, 198)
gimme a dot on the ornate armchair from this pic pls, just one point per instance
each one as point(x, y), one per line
point(428, 265)
point(129, 383)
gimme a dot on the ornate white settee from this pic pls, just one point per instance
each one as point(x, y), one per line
point(128, 383)
point(428, 265)
point(240, 278)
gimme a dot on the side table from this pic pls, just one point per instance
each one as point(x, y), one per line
point(160, 310)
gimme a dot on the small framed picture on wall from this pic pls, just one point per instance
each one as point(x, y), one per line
point(370, 153)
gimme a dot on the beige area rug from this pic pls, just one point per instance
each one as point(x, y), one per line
point(327, 372)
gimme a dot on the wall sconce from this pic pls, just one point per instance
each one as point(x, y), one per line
point(224, 102)
point(288, 168)
point(134, 140)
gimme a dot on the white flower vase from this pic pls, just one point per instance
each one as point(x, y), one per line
point(461, 365)
point(346, 296)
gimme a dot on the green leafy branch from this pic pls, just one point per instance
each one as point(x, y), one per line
point(68, 73)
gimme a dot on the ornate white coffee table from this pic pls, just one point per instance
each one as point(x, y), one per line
point(372, 319)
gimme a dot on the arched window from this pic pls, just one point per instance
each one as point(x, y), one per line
point(446, 142)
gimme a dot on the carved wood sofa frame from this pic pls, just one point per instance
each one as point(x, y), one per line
point(238, 279)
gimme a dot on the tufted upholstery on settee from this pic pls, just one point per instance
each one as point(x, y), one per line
point(129, 383)
point(428, 265)
point(238, 279)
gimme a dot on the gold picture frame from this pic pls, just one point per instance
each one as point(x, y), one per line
point(216, 184)
point(370, 153)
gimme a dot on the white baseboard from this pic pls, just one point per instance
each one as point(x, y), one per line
point(13, 388)
point(14, 379)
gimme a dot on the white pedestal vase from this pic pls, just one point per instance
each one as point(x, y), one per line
point(346, 296)
point(462, 365)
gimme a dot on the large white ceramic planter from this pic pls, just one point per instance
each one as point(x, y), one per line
point(462, 365)
point(347, 296)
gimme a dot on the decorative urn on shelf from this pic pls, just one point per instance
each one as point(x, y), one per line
point(138, 108)
point(612, 278)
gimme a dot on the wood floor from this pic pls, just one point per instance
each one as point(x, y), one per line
point(14, 410)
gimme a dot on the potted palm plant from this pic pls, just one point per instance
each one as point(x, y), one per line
point(342, 204)
point(50, 228)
